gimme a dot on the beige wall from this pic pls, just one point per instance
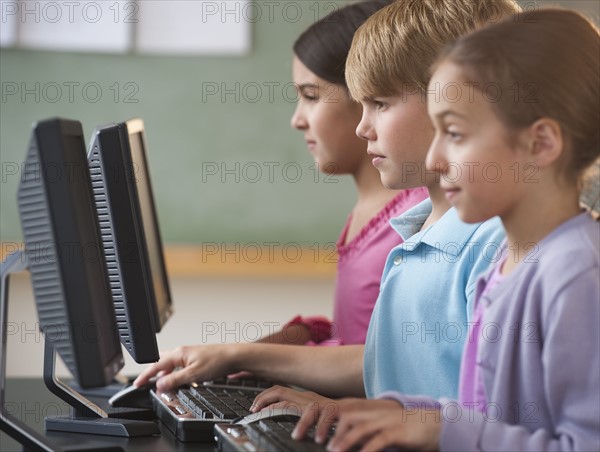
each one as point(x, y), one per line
point(206, 311)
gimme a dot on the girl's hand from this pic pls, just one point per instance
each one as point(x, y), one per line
point(190, 363)
point(377, 424)
point(324, 415)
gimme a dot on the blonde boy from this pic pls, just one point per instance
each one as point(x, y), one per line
point(428, 318)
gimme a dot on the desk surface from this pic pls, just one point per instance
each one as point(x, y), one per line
point(28, 399)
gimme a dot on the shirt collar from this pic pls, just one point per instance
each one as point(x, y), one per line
point(409, 223)
point(449, 233)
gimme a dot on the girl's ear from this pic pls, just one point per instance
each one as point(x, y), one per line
point(546, 140)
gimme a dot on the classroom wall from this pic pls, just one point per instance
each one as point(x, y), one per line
point(226, 166)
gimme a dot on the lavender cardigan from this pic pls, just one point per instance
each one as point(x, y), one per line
point(540, 356)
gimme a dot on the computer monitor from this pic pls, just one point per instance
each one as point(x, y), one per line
point(131, 236)
point(64, 253)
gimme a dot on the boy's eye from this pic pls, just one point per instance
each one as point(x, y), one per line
point(379, 105)
point(454, 136)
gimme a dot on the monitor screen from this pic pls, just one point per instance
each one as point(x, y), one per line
point(65, 253)
point(141, 175)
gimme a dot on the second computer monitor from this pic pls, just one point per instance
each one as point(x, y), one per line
point(131, 236)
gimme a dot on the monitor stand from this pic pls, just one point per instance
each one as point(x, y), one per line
point(86, 416)
point(118, 383)
point(84, 411)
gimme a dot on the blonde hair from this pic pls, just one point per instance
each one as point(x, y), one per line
point(392, 52)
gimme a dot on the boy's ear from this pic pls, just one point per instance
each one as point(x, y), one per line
point(546, 141)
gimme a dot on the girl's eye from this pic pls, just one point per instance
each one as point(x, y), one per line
point(309, 96)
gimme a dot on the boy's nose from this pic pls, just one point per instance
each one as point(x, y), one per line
point(364, 131)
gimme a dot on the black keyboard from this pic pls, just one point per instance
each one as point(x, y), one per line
point(273, 435)
point(266, 435)
point(245, 382)
point(217, 403)
point(191, 412)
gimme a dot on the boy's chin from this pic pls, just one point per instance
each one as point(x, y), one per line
point(396, 179)
point(470, 216)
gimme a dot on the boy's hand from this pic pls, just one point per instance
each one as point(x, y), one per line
point(313, 407)
point(377, 424)
point(283, 397)
point(193, 363)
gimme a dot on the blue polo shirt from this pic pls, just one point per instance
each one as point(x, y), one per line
point(420, 321)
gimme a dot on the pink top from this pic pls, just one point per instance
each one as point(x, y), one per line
point(470, 390)
point(359, 269)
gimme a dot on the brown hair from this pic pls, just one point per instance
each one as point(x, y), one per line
point(545, 64)
point(397, 45)
point(323, 47)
